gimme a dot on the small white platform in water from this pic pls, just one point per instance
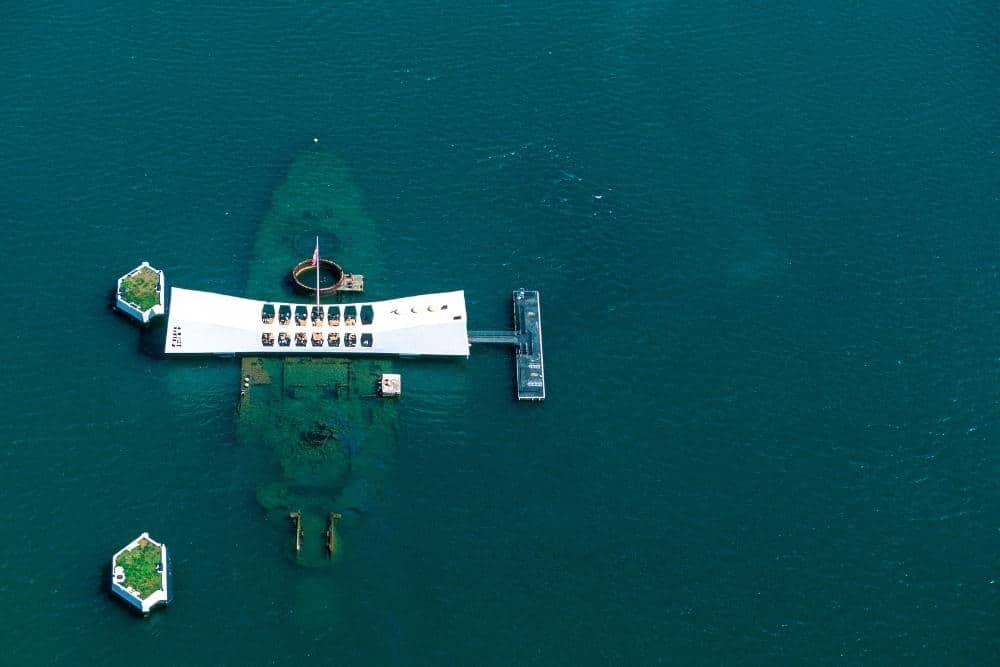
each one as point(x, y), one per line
point(134, 310)
point(390, 384)
point(126, 589)
point(211, 323)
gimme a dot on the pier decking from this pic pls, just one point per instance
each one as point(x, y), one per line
point(140, 574)
point(527, 337)
point(530, 364)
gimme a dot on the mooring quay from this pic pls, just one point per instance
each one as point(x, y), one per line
point(435, 325)
point(527, 338)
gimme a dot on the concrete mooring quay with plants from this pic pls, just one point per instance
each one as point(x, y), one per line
point(140, 574)
point(139, 293)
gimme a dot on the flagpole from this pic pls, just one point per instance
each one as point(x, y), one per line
point(317, 270)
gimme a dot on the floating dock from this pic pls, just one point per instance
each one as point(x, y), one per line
point(530, 364)
point(527, 338)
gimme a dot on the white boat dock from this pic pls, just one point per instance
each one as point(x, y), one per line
point(527, 339)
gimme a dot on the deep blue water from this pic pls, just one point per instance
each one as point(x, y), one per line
point(766, 239)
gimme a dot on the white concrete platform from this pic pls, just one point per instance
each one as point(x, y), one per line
point(390, 384)
point(201, 323)
point(121, 587)
point(131, 309)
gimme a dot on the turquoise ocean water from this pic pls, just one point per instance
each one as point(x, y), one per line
point(766, 240)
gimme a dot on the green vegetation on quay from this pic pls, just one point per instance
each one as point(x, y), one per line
point(139, 288)
point(140, 565)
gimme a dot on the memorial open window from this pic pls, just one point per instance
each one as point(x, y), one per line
point(333, 316)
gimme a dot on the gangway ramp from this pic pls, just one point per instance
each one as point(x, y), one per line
point(494, 337)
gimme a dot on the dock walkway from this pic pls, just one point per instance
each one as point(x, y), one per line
point(494, 337)
point(530, 364)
